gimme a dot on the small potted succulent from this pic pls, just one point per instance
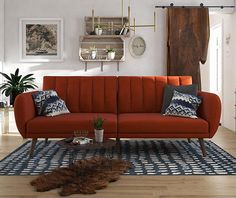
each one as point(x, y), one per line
point(98, 128)
point(111, 53)
point(98, 29)
point(93, 51)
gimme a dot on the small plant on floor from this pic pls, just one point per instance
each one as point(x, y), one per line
point(16, 84)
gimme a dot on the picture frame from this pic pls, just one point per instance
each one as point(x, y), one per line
point(41, 39)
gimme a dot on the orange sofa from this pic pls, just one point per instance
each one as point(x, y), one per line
point(130, 105)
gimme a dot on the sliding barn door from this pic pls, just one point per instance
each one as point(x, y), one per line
point(188, 37)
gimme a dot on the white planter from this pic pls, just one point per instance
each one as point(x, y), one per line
point(93, 54)
point(98, 31)
point(111, 55)
point(99, 135)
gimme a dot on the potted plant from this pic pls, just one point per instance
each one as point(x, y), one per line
point(98, 130)
point(16, 84)
point(111, 53)
point(93, 51)
point(98, 29)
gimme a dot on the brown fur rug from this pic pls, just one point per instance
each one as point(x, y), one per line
point(83, 177)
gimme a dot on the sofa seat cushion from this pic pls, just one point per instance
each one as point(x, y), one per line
point(64, 124)
point(158, 123)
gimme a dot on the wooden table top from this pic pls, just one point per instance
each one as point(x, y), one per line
point(107, 143)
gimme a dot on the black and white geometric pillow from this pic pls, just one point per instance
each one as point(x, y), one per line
point(41, 97)
point(54, 106)
point(183, 105)
point(49, 104)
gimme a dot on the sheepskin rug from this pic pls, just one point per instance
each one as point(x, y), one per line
point(83, 176)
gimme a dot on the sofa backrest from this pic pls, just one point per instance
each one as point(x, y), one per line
point(145, 94)
point(85, 94)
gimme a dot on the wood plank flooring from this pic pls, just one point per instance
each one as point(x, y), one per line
point(134, 186)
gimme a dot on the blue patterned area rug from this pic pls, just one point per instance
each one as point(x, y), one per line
point(163, 157)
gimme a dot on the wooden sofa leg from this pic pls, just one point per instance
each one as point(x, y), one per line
point(46, 140)
point(189, 140)
point(203, 148)
point(34, 141)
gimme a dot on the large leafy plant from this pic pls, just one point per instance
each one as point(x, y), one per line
point(16, 84)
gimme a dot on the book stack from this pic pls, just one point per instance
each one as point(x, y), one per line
point(82, 140)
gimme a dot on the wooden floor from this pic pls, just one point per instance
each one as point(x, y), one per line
point(135, 186)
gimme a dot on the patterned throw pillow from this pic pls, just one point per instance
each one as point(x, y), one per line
point(49, 104)
point(183, 105)
point(169, 92)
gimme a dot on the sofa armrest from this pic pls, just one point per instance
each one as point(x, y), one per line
point(24, 111)
point(210, 110)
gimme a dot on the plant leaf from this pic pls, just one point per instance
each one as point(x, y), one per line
point(6, 76)
point(4, 86)
point(17, 72)
point(27, 77)
point(8, 92)
point(28, 87)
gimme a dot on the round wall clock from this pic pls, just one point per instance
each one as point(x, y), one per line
point(137, 46)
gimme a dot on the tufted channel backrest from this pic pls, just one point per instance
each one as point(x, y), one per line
point(85, 94)
point(145, 94)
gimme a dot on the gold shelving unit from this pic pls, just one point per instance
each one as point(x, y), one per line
point(101, 43)
point(111, 26)
point(114, 31)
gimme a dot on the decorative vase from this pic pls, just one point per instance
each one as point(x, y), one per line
point(99, 135)
point(111, 55)
point(93, 54)
point(98, 31)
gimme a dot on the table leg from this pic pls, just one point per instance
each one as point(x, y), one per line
point(118, 149)
point(5, 122)
point(71, 156)
point(110, 157)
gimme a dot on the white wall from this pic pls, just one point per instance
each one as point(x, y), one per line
point(1, 31)
point(1, 37)
point(215, 19)
point(73, 12)
point(229, 72)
